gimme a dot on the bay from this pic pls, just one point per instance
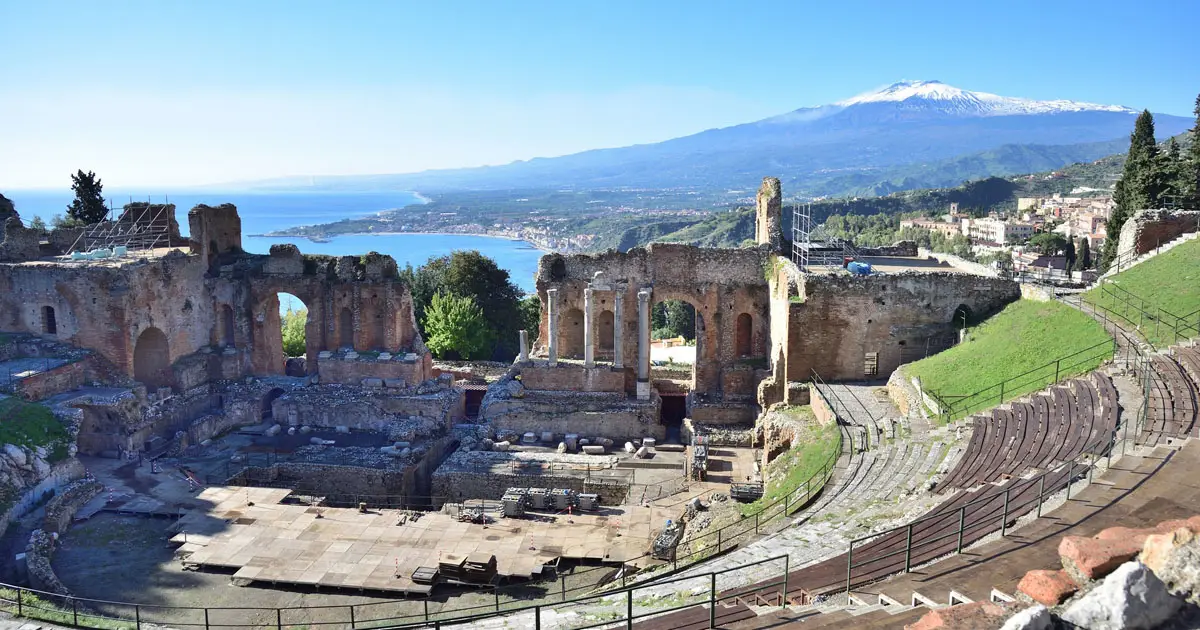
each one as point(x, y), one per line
point(266, 212)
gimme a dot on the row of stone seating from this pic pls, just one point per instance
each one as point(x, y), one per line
point(1034, 433)
point(1173, 388)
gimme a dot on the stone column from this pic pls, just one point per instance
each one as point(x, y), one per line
point(643, 372)
point(552, 318)
point(589, 352)
point(618, 328)
point(523, 357)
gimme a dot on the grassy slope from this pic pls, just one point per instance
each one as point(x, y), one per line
point(1025, 336)
point(810, 451)
point(32, 425)
point(1169, 281)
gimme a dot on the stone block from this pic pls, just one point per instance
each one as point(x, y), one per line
point(385, 356)
point(350, 356)
point(1130, 597)
point(1093, 558)
point(394, 383)
point(593, 449)
point(1049, 588)
point(373, 383)
point(324, 354)
point(547, 436)
point(1032, 618)
point(1175, 559)
point(529, 438)
point(973, 615)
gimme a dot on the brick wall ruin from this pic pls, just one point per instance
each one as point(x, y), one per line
point(1148, 229)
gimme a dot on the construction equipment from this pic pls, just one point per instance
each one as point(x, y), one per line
point(539, 498)
point(746, 492)
point(667, 541)
point(589, 502)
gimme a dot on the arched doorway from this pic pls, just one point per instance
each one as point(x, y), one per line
point(743, 335)
point(572, 333)
point(963, 317)
point(346, 328)
point(268, 402)
point(152, 359)
point(293, 326)
point(225, 321)
point(49, 321)
point(604, 331)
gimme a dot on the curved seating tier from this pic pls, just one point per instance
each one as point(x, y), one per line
point(1171, 397)
point(1034, 433)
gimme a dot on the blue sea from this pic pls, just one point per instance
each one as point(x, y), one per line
point(268, 212)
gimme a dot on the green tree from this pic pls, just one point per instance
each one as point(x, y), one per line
point(531, 315)
point(292, 326)
point(1085, 253)
point(681, 319)
point(1192, 189)
point(455, 328)
point(472, 275)
point(1048, 243)
point(1069, 254)
point(37, 224)
point(1141, 185)
point(88, 206)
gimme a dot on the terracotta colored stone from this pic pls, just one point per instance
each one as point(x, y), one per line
point(973, 616)
point(1093, 558)
point(1049, 588)
point(1159, 548)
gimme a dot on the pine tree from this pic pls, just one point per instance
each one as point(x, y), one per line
point(1141, 185)
point(88, 206)
point(1175, 171)
point(1085, 253)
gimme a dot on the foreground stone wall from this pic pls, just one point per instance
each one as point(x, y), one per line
point(571, 377)
point(457, 486)
point(1150, 228)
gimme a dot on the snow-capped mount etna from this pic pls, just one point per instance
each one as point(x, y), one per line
point(909, 134)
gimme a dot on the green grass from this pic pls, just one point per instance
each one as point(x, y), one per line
point(1170, 282)
point(812, 448)
point(32, 425)
point(1018, 345)
point(34, 607)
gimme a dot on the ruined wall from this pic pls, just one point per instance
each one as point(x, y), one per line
point(510, 406)
point(1148, 229)
point(365, 409)
point(842, 318)
point(18, 243)
point(214, 231)
point(57, 380)
point(569, 377)
point(457, 485)
point(107, 307)
point(721, 284)
point(768, 221)
point(395, 371)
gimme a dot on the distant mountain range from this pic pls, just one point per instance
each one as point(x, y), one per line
point(908, 135)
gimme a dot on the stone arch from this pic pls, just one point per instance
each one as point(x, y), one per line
point(372, 321)
point(152, 359)
point(571, 333)
point(225, 325)
point(744, 335)
point(604, 331)
point(266, 407)
point(49, 321)
point(962, 317)
point(704, 360)
point(345, 328)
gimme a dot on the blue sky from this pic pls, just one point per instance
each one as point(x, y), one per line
point(170, 94)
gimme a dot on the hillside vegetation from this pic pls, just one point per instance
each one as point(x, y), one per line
point(1166, 288)
point(32, 425)
point(1022, 342)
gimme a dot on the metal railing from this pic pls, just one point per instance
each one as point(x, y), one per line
point(97, 613)
point(1168, 328)
point(899, 549)
point(956, 406)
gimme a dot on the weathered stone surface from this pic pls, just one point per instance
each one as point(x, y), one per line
point(1175, 558)
point(1049, 588)
point(973, 616)
point(1032, 618)
point(1093, 558)
point(1131, 597)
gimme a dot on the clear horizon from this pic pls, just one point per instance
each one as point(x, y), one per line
point(172, 96)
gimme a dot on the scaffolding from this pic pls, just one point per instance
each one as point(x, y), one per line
point(813, 247)
point(140, 226)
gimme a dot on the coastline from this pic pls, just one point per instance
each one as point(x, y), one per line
point(323, 239)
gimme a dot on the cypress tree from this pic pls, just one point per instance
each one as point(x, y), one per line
point(1141, 185)
point(1193, 163)
point(1085, 253)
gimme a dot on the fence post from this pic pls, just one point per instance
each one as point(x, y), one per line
point(712, 600)
point(756, 522)
point(849, 568)
point(562, 585)
point(1004, 516)
point(75, 612)
point(962, 521)
point(20, 592)
point(496, 592)
point(786, 564)
point(1070, 475)
point(1056, 364)
point(1041, 492)
point(137, 616)
point(278, 619)
point(908, 549)
point(1002, 392)
point(628, 609)
point(206, 619)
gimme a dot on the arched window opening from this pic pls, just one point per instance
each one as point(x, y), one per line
point(49, 321)
point(744, 335)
